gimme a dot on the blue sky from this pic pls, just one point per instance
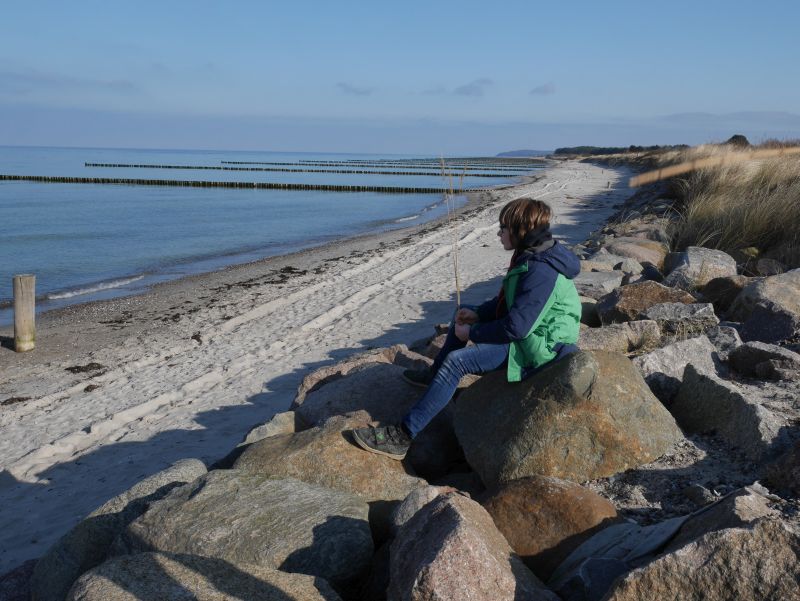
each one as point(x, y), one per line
point(417, 77)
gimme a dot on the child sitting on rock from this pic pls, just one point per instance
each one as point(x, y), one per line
point(533, 321)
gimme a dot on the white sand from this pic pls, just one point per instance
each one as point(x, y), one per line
point(162, 395)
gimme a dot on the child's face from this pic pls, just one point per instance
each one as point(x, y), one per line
point(505, 237)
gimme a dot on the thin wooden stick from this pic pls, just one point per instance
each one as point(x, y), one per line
point(726, 159)
point(453, 223)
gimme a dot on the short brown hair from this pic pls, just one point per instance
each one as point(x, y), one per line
point(522, 215)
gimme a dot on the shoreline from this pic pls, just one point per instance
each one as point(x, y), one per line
point(85, 312)
point(119, 389)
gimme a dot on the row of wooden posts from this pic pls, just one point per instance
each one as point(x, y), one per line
point(213, 184)
point(279, 169)
point(24, 312)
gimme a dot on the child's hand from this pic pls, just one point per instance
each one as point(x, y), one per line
point(462, 332)
point(466, 316)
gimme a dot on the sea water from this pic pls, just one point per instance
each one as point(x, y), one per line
point(95, 241)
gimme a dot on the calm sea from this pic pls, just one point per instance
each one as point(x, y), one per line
point(88, 242)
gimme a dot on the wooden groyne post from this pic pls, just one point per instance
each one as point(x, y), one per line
point(24, 312)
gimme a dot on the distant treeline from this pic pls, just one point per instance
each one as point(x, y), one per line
point(594, 150)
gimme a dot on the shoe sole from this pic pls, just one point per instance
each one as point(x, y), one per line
point(366, 447)
point(413, 383)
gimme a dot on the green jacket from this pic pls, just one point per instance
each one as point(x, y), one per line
point(544, 310)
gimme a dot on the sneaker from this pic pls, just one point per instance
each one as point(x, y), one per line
point(391, 441)
point(418, 377)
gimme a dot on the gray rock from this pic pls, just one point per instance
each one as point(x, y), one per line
point(589, 314)
point(377, 388)
point(88, 543)
point(168, 577)
point(639, 249)
point(252, 519)
point(749, 359)
point(740, 508)
point(725, 339)
point(735, 413)
point(603, 260)
point(628, 302)
point(397, 355)
point(681, 319)
point(663, 368)
point(451, 549)
point(767, 267)
point(783, 290)
point(770, 322)
point(286, 422)
point(698, 494)
point(587, 416)
point(596, 284)
point(416, 500)
point(755, 562)
point(696, 266)
point(327, 457)
point(592, 568)
point(621, 337)
point(721, 292)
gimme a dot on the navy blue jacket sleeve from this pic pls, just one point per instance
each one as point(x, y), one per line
point(488, 310)
point(533, 291)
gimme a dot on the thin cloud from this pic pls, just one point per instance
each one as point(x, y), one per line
point(24, 82)
point(473, 88)
point(352, 90)
point(544, 90)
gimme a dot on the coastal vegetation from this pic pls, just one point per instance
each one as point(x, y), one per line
point(749, 209)
point(746, 206)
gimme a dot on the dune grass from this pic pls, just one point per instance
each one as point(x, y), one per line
point(749, 205)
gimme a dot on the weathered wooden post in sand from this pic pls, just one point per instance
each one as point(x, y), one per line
point(24, 312)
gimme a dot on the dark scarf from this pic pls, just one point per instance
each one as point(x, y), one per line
point(535, 241)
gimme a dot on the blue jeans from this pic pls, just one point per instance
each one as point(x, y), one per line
point(451, 364)
point(455, 361)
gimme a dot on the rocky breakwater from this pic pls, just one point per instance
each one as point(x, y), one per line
point(660, 461)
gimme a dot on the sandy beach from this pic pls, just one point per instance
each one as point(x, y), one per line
point(118, 390)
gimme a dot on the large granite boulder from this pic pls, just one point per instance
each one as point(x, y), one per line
point(327, 456)
point(736, 413)
point(88, 543)
point(416, 500)
point(596, 284)
point(725, 339)
point(544, 519)
point(621, 337)
point(452, 550)
point(593, 567)
point(628, 302)
point(286, 422)
point(174, 577)
point(254, 519)
point(721, 292)
point(587, 416)
point(762, 360)
point(603, 260)
point(377, 388)
point(663, 368)
point(783, 474)
point(681, 319)
point(638, 248)
point(398, 355)
point(771, 322)
point(761, 561)
point(696, 266)
point(783, 290)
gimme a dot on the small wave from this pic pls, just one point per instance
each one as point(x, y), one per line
point(409, 218)
point(93, 289)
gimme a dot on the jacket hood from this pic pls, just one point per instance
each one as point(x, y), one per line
point(539, 246)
